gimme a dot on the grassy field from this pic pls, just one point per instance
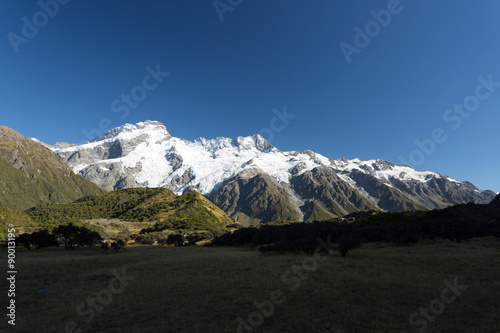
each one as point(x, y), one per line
point(197, 289)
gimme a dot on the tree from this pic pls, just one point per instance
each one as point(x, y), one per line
point(88, 238)
point(43, 238)
point(118, 245)
point(73, 235)
point(25, 240)
point(105, 247)
point(40, 239)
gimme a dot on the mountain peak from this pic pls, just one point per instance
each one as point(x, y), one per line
point(254, 141)
point(262, 144)
point(129, 131)
point(152, 124)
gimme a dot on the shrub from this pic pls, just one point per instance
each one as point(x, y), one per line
point(193, 238)
point(144, 239)
point(349, 240)
point(175, 239)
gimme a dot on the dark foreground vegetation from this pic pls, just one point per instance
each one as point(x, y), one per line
point(458, 223)
point(72, 235)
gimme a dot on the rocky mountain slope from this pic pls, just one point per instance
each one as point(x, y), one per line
point(254, 181)
point(32, 174)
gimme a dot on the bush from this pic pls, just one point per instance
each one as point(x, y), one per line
point(175, 240)
point(403, 233)
point(196, 237)
point(162, 241)
point(349, 240)
point(148, 238)
point(145, 239)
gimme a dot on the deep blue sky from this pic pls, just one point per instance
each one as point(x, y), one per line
point(226, 77)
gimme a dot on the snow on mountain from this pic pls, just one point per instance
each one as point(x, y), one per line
point(157, 154)
point(385, 171)
point(145, 154)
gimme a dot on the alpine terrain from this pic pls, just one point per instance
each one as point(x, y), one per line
point(31, 174)
point(254, 181)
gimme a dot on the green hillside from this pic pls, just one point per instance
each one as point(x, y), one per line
point(255, 199)
point(32, 174)
point(314, 212)
point(189, 211)
point(11, 216)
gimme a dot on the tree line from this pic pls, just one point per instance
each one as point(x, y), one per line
point(303, 237)
point(70, 235)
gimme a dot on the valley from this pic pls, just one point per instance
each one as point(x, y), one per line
point(234, 166)
point(377, 288)
point(233, 235)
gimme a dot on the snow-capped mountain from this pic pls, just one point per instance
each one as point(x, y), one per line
point(256, 182)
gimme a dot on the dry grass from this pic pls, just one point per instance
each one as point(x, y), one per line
point(198, 289)
point(113, 227)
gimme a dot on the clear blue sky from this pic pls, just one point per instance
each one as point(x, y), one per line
point(226, 77)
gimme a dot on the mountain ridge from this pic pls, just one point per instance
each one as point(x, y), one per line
point(145, 154)
point(33, 174)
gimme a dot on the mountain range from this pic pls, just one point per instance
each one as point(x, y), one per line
point(255, 182)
